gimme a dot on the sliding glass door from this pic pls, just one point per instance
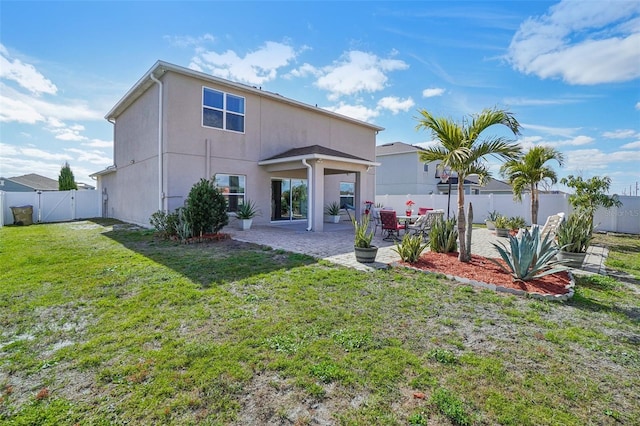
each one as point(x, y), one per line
point(288, 199)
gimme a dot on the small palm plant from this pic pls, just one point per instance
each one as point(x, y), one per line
point(530, 257)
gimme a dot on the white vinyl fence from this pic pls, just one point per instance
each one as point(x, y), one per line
point(51, 206)
point(623, 219)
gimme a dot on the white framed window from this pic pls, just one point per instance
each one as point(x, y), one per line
point(232, 187)
point(222, 110)
point(347, 194)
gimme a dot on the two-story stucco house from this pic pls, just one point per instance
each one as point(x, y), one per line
point(176, 126)
point(401, 172)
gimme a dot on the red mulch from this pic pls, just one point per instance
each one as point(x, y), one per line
point(483, 270)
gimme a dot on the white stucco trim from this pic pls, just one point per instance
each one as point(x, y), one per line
point(317, 157)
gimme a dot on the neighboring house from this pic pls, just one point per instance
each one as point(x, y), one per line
point(28, 183)
point(401, 172)
point(176, 126)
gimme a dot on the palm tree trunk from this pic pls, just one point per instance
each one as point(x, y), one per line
point(462, 244)
point(534, 204)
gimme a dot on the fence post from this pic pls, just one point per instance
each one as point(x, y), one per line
point(73, 204)
point(1, 209)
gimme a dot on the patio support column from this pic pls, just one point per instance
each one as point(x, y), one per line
point(317, 202)
point(358, 195)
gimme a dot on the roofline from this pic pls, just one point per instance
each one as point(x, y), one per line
point(316, 157)
point(108, 170)
point(160, 67)
point(399, 153)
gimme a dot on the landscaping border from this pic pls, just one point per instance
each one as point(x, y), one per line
point(500, 289)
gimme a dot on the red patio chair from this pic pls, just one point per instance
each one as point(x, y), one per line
point(390, 225)
point(423, 210)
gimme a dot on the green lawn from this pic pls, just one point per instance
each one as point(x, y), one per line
point(103, 326)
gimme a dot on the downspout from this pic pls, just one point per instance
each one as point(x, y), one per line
point(160, 169)
point(310, 199)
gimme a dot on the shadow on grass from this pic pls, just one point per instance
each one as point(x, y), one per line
point(207, 263)
point(603, 286)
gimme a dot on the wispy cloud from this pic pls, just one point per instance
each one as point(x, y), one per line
point(256, 67)
point(359, 112)
point(539, 102)
point(395, 104)
point(189, 41)
point(552, 131)
point(621, 134)
point(432, 92)
point(357, 72)
point(25, 75)
point(632, 145)
point(581, 42)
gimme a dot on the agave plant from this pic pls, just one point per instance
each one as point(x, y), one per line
point(530, 257)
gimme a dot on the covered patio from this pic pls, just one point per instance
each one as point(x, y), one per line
point(316, 163)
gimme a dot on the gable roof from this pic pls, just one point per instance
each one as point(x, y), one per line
point(161, 67)
point(36, 182)
point(315, 152)
point(396, 148)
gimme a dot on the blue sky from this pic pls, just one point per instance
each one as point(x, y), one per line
point(568, 70)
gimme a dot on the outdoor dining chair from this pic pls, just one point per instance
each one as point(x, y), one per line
point(424, 223)
point(390, 226)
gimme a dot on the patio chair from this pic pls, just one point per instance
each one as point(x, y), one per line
point(550, 227)
point(423, 210)
point(390, 225)
point(425, 222)
point(375, 214)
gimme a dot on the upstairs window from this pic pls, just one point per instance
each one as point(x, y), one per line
point(222, 110)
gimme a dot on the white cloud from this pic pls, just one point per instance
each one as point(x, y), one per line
point(359, 112)
point(620, 134)
point(434, 91)
point(632, 145)
point(638, 106)
point(255, 67)
point(189, 41)
point(584, 43)
point(12, 109)
point(554, 131)
point(25, 75)
point(587, 159)
point(577, 141)
point(395, 104)
point(304, 70)
point(357, 72)
point(97, 143)
point(538, 102)
point(93, 157)
point(43, 155)
point(25, 108)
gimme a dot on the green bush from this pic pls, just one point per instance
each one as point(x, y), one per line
point(205, 209)
point(410, 248)
point(165, 223)
point(443, 237)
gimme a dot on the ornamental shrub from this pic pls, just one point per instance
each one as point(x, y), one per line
point(205, 209)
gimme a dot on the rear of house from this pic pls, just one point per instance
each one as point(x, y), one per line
point(176, 126)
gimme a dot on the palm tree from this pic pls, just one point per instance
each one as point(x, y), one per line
point(527, 172)
point(461, 150)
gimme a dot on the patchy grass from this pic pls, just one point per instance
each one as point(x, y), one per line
point(104, 326)
point(624, 252)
